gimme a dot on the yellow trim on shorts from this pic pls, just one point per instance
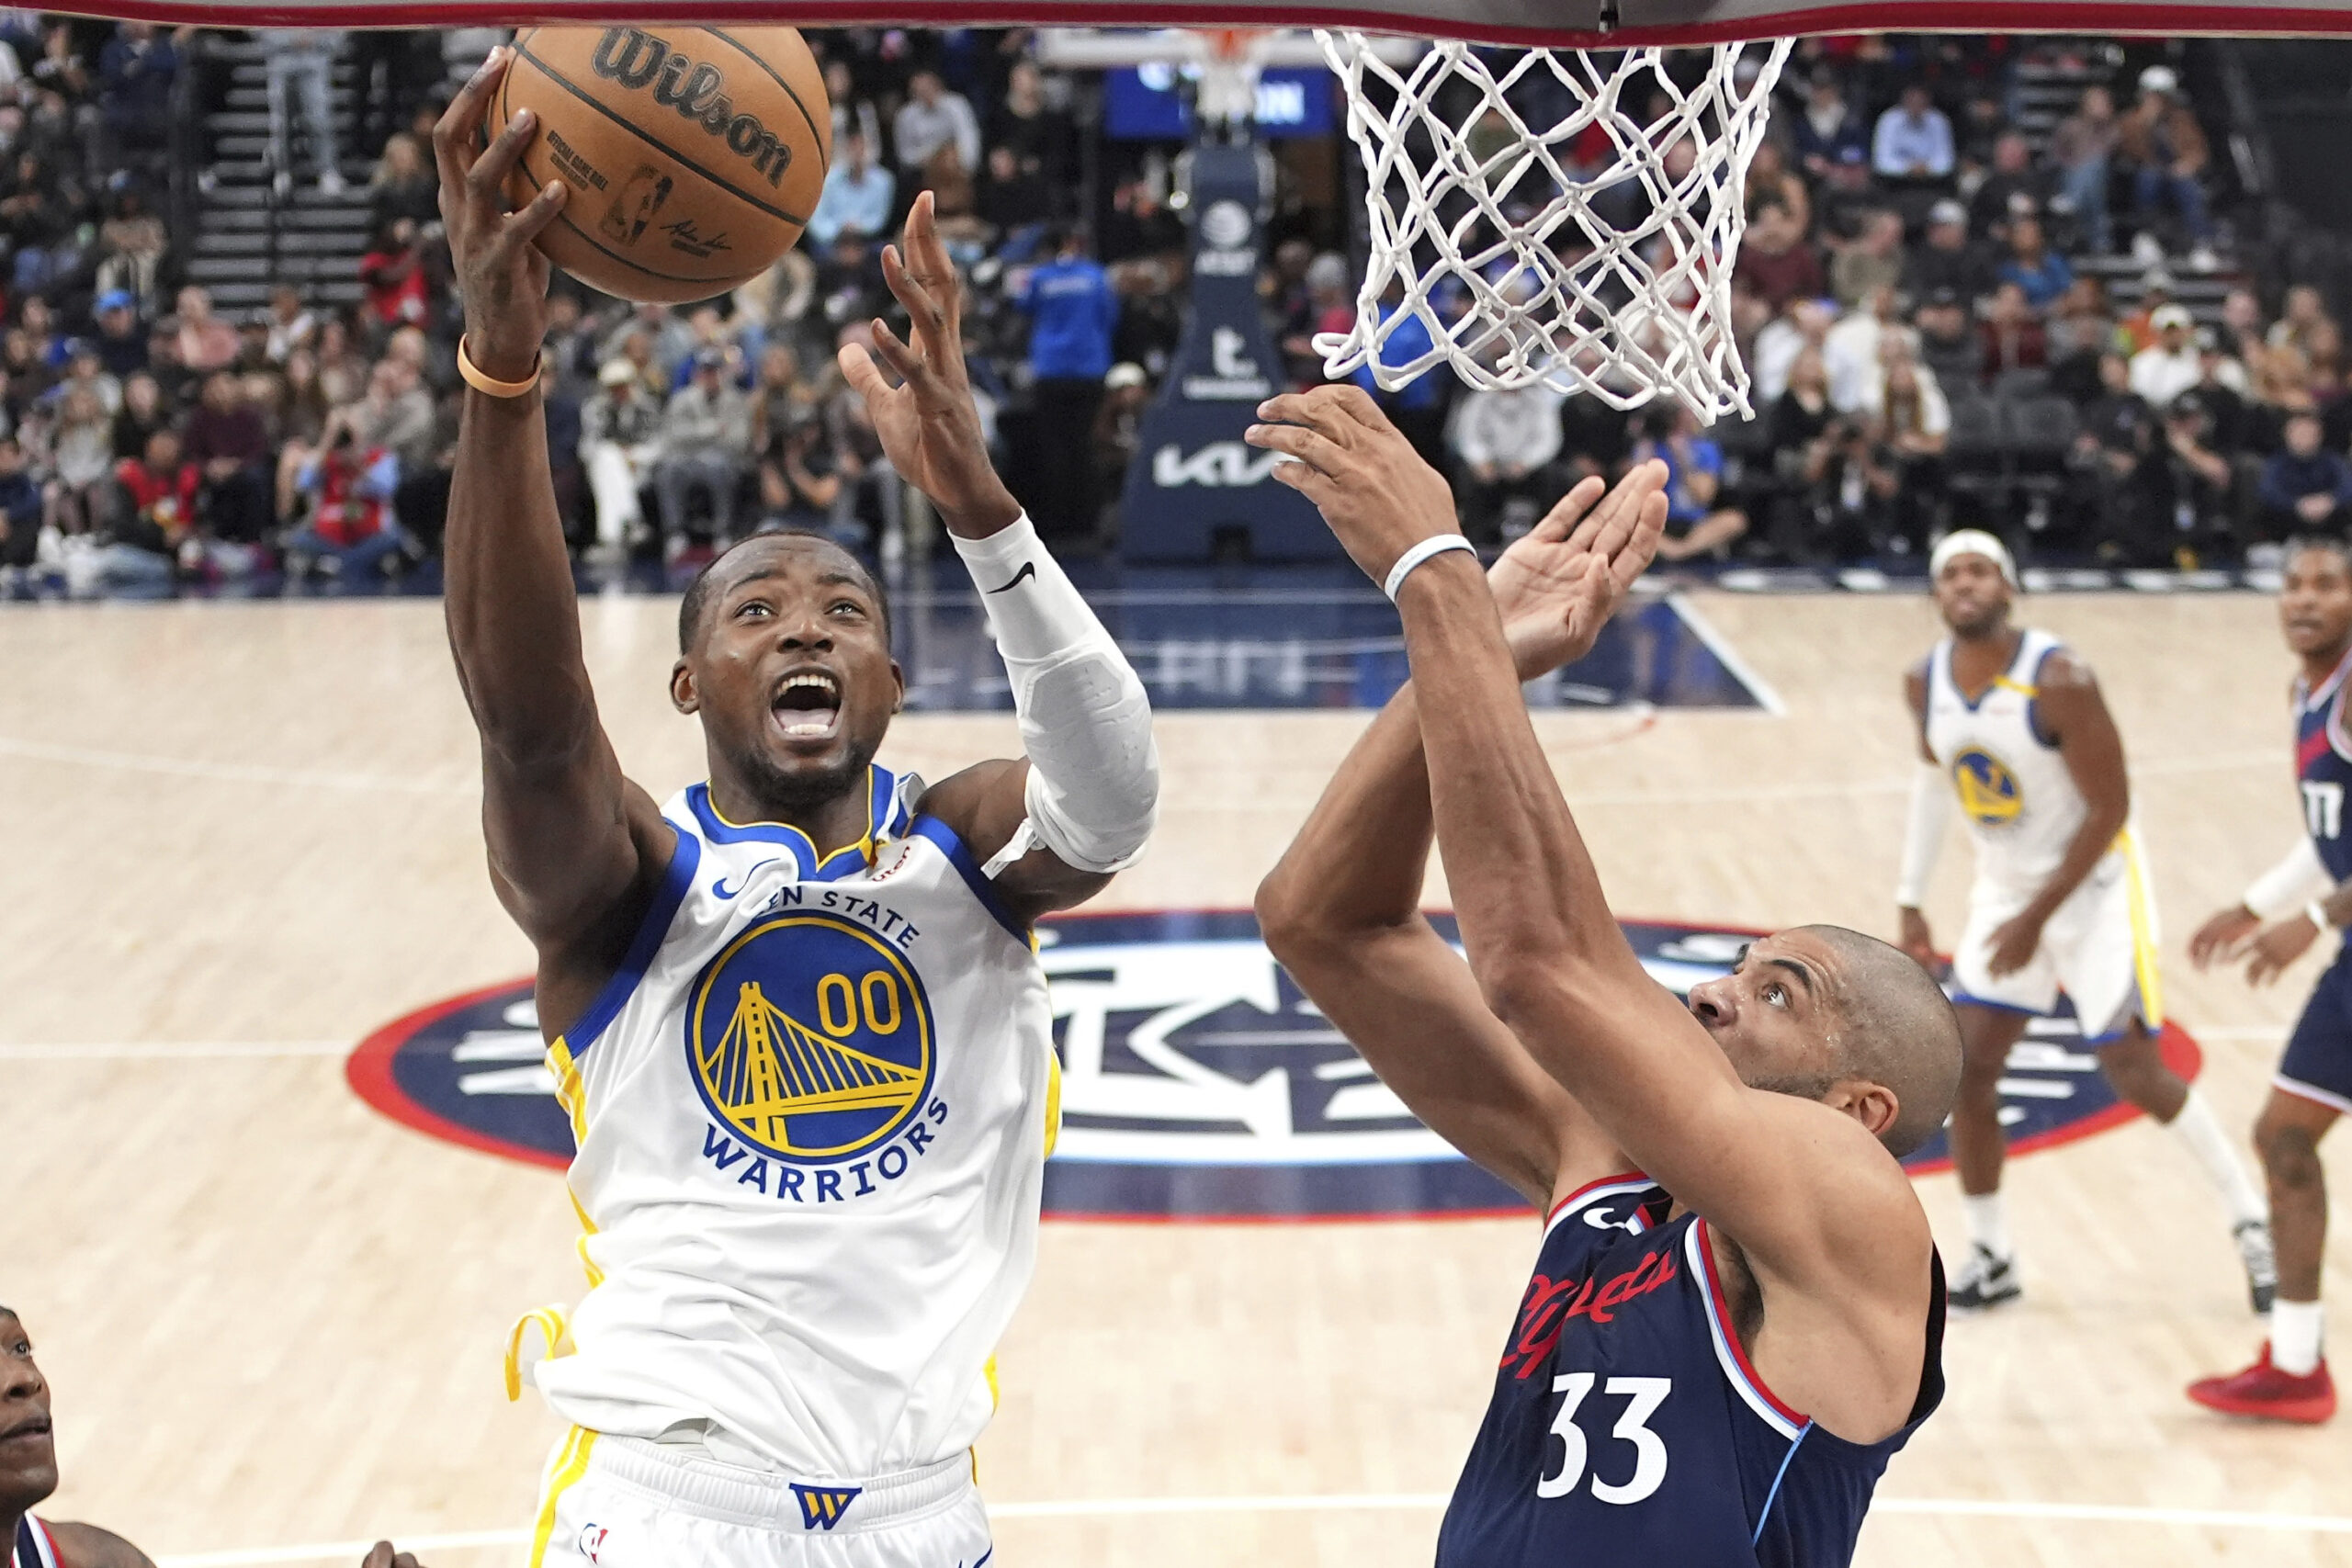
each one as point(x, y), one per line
point(2143, 931)
point(564, 1471)
point(1053, 1099)
point(569, 1092)
point(555, 1330)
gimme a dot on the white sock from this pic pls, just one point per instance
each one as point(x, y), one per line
point(1988, 1223)
point(2201, 1131)
point(2295, 1336)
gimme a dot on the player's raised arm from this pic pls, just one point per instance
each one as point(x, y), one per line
point(570, 840)
point(1081, 805)
point(1783, 1151)
point(1343, 908)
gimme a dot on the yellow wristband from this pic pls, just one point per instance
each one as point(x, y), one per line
point(481, 382)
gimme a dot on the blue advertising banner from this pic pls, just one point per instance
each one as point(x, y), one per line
point(1193, 477)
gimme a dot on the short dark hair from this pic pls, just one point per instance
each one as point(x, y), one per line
point(2332, 544)
point(1898, 1030)
point(696, 603)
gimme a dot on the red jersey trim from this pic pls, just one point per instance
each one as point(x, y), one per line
point(43, 1542)
point(1726, 1340)
point(1592, 1190)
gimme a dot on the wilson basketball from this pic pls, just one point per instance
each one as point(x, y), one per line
point(695, 155)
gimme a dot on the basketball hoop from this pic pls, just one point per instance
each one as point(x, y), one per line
point(1228, 92)
point(1547, 223)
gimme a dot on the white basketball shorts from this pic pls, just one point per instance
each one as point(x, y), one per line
point(2101, 946)
point(622, 1503)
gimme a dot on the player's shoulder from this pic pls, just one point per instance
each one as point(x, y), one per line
point(87, 1546)
point(2062, 669)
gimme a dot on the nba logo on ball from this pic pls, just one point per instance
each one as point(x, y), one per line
point(693, 156)
point(1198, 1082)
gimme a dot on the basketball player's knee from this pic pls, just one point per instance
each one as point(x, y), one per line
point(2289, 1155)
point(1980, 1085)
point(2139, 1077)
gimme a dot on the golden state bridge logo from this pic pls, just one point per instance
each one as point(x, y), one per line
point(809, 1039)
point(1988, 791)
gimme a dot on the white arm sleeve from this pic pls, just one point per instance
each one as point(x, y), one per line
point(1923, 836)
point(1093, 790)
point(2295, 881)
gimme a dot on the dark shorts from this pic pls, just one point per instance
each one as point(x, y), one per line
point(2318, 1063)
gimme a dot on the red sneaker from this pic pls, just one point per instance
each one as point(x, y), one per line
point(2263, 1391)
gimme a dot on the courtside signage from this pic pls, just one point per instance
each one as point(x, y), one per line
point(1198, 1082)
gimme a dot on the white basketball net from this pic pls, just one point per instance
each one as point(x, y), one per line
point(1569, 217)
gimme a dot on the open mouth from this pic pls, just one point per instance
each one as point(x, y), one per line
point(807, 705)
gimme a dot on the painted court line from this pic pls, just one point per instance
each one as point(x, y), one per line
point(1727, 656)
point(233, 773)
point(178, 1050)
point(1398, 1502)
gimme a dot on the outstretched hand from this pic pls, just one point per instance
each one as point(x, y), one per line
point(382, 1555)
point(502, 274)
point(927, 423)
point(1558, 586)
point(1374, 489)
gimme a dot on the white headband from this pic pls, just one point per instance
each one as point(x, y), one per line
point(1972, 542)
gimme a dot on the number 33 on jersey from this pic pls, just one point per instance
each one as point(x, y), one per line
point(1627, 1425)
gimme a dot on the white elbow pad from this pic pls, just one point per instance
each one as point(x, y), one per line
point(1093, 788)
point(1923, 837)
point(2295, 881)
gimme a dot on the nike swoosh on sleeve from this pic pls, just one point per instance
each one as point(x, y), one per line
point(1028, 569)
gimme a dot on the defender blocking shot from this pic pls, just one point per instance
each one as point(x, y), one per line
point(1736, 1313)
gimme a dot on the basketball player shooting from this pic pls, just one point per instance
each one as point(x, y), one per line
point(2011, 722)
point(795, 1014)
point(1737, 1312)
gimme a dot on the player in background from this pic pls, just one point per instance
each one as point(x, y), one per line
point(2012, 723)
point(795, 1014)
point(1678, 1390)
point(29, 1472)
point(2281, 915)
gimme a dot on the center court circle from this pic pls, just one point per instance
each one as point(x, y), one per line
point(1198, 1083)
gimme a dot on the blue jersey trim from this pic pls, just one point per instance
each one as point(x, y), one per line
point(1962, 1000)
point(2033, 703)
point(1940, 661)
point(945, 839)
point(679, 875)
point(1777, 1476)
point(817, 866)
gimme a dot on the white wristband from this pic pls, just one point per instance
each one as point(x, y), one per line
point(2316, 912)
point(1435, 544)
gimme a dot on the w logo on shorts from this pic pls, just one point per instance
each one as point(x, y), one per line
point(822, 1507)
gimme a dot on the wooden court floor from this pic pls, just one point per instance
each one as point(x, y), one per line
point(237, 836)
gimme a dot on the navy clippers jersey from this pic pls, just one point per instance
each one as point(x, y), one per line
point(2323, 767)
point(33, 1547)
point(1628, 1426)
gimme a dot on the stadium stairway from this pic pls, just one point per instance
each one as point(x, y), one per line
point(248, 238)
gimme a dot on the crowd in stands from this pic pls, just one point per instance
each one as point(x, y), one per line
point(1922, 340)
point(1925, 352)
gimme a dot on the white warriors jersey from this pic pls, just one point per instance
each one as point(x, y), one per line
point(2022, 807)
point(812, 1113)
